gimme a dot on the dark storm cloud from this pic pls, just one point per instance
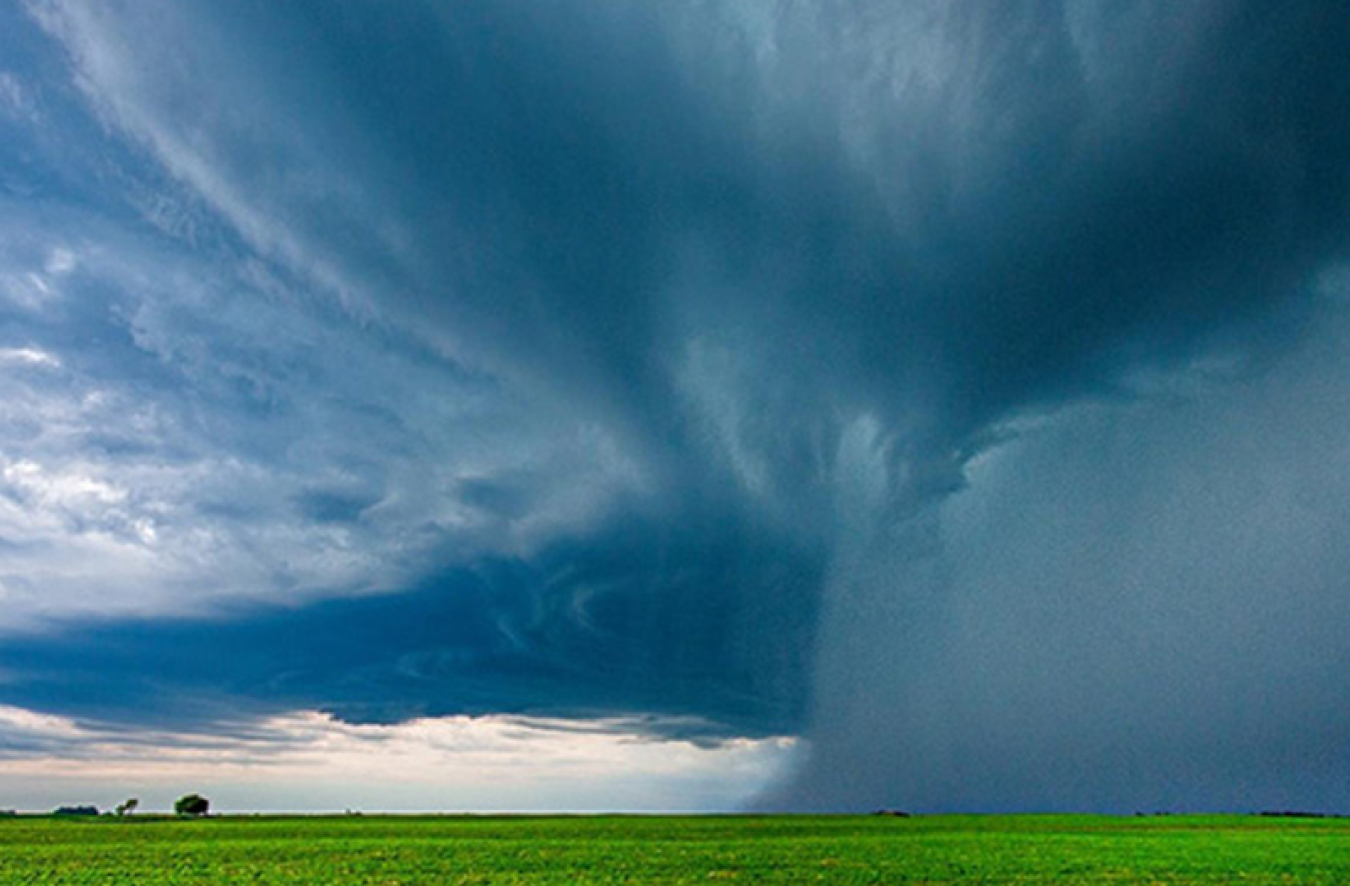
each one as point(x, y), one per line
point(707, 631)
point(744, 299)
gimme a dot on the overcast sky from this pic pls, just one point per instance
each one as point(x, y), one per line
point(682, 405)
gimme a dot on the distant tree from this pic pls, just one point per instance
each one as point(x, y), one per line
point(76, 810)
point(192, 804)
point(127, 808)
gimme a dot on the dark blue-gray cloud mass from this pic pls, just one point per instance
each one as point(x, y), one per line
point(951, 383)
point(702, 630)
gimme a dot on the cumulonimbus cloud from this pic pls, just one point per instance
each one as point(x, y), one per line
point(725, 361)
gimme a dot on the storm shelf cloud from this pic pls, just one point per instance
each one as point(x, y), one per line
point(933, 405)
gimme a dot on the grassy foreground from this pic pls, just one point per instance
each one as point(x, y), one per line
point(783, 849)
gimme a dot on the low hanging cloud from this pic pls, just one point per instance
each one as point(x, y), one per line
point(953, 385)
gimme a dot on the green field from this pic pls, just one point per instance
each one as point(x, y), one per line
point(783, 849)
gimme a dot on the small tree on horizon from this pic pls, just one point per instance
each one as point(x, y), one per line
point(128, 807)
point(192, 804)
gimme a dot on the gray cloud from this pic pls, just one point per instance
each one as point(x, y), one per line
point(902, 376)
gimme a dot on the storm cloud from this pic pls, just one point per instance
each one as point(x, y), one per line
point(956, 385)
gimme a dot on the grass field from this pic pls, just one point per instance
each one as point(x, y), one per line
point(788, 849)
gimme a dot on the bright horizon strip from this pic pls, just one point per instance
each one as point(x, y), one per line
point(308, 762)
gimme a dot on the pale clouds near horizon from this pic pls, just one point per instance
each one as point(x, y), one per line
point(306, 761)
